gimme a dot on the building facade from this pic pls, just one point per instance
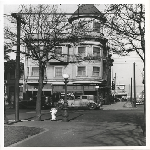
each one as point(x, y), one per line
point(84, 77)
point(9, 86)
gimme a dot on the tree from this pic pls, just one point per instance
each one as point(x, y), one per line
point(7, 50)
point(125, 28)
point(45, 29)
point(10, 66)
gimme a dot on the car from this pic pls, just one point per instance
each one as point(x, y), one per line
point(140, 101)
point(79, 101)
point(140, 98)
point(31, 103)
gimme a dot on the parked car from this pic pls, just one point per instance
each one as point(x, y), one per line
point(31, 103)
point(140, 101)
point(140, 98)
point(79, 101)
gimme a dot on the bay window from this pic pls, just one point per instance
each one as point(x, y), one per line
point(96, 71)
point(96, 26)
point(82, 51)
point(96, 51)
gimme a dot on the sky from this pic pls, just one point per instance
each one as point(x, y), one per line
point(123, 66)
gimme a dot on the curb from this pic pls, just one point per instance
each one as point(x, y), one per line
point(124, 108)
point(10, 122)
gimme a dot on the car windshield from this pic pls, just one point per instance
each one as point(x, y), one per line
point(84, 97)
point(77, 97)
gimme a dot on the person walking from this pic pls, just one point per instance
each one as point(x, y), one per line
point(11, 101)
point(5, 117)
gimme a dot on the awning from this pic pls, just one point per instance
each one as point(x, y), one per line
point(87, 82)
point(60, 83)
point(69, 83)
point(35, 83)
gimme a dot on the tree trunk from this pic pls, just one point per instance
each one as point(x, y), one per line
point(39, 93)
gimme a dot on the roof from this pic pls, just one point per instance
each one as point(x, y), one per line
point(87, 10)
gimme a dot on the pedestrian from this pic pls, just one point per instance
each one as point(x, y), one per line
point(12, 101)
point(5, 99)
point(9, 101)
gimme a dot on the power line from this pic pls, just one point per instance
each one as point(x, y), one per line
point(68, 13)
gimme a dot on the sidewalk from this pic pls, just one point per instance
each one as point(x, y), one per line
point(82, 130)
point(117, 106)
point(29, 116)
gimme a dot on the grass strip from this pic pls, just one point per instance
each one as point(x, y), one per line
point(14, 134)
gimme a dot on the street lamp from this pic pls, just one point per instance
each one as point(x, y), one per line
point(97, 87)
point(65, 113)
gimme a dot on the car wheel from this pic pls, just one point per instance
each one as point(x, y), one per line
point(92, 106)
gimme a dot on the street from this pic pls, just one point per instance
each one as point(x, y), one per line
point(84, 114)
point(90, 127)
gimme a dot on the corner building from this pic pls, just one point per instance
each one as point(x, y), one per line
point(85, 76)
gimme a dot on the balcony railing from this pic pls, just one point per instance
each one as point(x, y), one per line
point(65, 59)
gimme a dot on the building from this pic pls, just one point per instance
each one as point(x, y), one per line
point(84, 77)
point(9, 80)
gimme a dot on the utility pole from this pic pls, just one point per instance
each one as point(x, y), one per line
point(144, 82)
point(131, 93)
point(134, 84)
point(17, 71)
point(115, 84)
point(129, 89)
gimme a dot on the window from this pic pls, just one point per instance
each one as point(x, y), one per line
point(96, 71)
point(58, 50)
point(81, 71)
point(84, 97)
point(58, 71)
point(96, 26)
point(96, 51)
point(82, 51)
point(35, 71)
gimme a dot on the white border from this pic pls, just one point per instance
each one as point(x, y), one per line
point(147, 2)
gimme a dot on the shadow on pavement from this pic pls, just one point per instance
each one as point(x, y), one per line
point(103, 135)
point(75, 117)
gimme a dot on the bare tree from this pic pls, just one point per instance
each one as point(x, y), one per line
point(42, 32)
point(125, 28)
point(45, 29)
point(7, 50)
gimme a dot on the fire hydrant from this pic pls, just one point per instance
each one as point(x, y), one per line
point(53, 112)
